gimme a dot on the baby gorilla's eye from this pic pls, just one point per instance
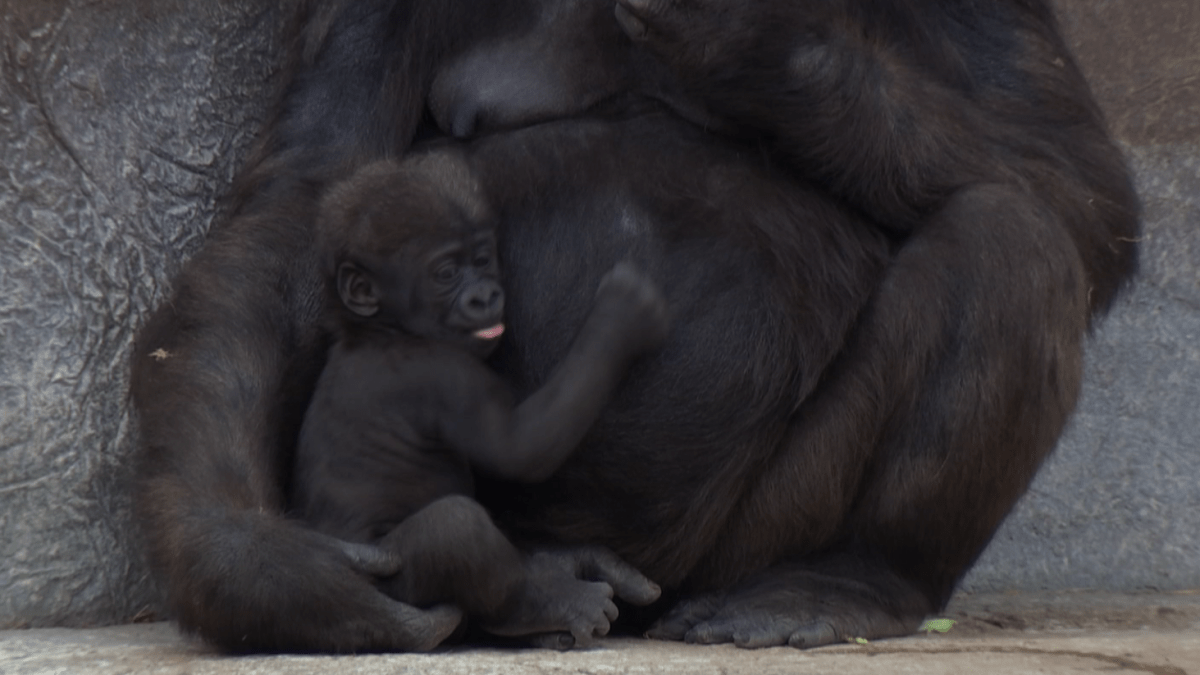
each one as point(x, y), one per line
point(482, 260)
point(446, 273)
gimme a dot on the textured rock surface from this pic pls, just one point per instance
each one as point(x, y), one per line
point(1118, 504)
point(121, 123)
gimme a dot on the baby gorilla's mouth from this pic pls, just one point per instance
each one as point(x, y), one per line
point(490, 333)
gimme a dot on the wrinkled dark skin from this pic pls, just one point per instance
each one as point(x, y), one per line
point(405, 408)
point(883, 226)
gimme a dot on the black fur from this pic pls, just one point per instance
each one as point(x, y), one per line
point(405, 406)
point(884, 227)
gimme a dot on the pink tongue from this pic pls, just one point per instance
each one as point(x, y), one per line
point(490, 333)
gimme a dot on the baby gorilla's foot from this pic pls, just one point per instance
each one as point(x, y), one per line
point(559, 610)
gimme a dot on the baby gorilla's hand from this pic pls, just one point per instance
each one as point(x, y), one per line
point(634, 309)
point(567, 598)
point(556, 609)
point(685, 34)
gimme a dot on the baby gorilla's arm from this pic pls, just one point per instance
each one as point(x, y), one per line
point(628, 319)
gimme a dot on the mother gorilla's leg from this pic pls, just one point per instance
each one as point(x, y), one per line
point(972, 136)
point(954, 386)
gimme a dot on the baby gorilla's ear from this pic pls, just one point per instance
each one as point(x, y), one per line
point(357, 289)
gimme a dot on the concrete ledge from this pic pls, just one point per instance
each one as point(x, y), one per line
point(1060, 633)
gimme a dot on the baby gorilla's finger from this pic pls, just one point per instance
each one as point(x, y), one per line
point(557, 641)
point(610, 611)
point(600, 564)
point(421, 630)
point(368, 559)
point(588, 633)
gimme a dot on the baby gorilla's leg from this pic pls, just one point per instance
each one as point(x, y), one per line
point(451, 551)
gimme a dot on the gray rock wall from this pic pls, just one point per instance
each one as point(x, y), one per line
point(121, 123)
point(1118, 504)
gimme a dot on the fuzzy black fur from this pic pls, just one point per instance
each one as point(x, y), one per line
point(884, 227)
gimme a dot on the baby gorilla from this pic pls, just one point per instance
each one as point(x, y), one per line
point(405, 407)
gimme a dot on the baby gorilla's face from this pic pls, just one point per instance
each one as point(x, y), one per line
point(418, 250)
point(454, 294)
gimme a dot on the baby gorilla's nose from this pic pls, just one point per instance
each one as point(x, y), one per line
point(482, 302)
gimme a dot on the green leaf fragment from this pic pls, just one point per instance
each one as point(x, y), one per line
point(938, 625)
point(861, 641)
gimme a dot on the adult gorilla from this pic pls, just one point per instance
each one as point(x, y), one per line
point(882, 267)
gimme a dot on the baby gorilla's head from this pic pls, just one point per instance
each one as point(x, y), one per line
point(411, 246)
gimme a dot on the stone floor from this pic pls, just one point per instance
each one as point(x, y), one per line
point(1080, 632)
